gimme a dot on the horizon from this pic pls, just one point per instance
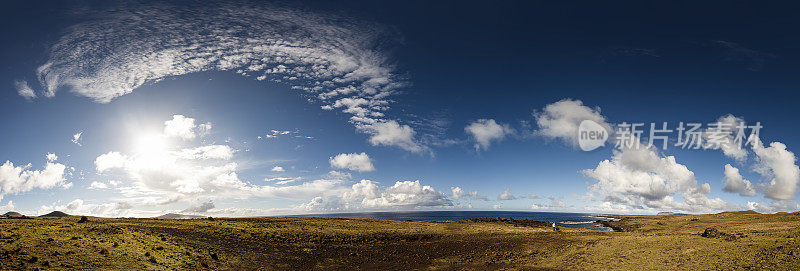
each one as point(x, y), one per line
point(249, 109)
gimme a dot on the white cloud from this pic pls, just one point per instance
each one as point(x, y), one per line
point(458, 193)
point(204, 129)
point(51, 157)
point(24, 90)
point(484, 131)
point(403, 194)
point(777, 163)
point(506, 195)
point(338, 175)
point(286, 133)
point(735, 183)
point(725, 137)
point(353, 161)
point(180, 126)
point(392, 133)
point(201, 208)
point(642, 179)
point(8, 207)
point(223, 152)
point(98, 185)
point(79, 207)
point(109, 160)
point(164, 175)
point(335, 59)
point(18, 179)
point(76, 138)
point(560, 120)
point(318, 204)
point(775, 206)
point(277, 169)
point(554, 203)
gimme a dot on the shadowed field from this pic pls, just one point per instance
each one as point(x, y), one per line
point(738, 241)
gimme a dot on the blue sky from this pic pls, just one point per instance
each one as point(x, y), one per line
point(261, 108)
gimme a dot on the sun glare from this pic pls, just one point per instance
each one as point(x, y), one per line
point(150, 144)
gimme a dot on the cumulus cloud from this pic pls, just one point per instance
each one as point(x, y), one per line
point(323, 204)
point(338, 62)
point(484, 131)
point(18, 179)
point(51, 157)
point(200, 208)
point(24, 90)
point(726, 137)
point(735, 183)
point(403, 194)
point(164, 174)
point(353, 161)
point(778, 164)
point(79, 207)
point(506, 195)
point(392, 133)
point(560, 120)
point(554, 203)
point(458, 193)
point(109, 160)
point(278, 169)
point(643, 179)
point(180, 126)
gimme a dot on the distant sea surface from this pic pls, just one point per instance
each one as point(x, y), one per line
point(571, 220)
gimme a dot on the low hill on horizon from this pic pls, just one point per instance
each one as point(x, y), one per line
point(12, 214)
point(55, 214)
point(178, 216)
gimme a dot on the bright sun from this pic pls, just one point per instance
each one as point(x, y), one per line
point(150, 144)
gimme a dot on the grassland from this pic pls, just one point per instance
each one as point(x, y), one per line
point(746, 241)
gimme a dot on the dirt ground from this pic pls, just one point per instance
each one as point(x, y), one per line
point(741, 241)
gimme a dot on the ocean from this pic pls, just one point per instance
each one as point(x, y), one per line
point(571, 220)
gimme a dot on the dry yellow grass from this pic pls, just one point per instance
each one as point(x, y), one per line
point(652, 242)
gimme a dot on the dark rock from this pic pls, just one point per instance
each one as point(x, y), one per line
point(214, 256)
point(83, 219)
point(710, 233)
point(714, 233)
point(33, 259)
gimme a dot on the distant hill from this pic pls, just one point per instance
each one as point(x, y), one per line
point(748, 212)
point(178, 216)
point(56, 214)
point(670, 213)
point(12, 214)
